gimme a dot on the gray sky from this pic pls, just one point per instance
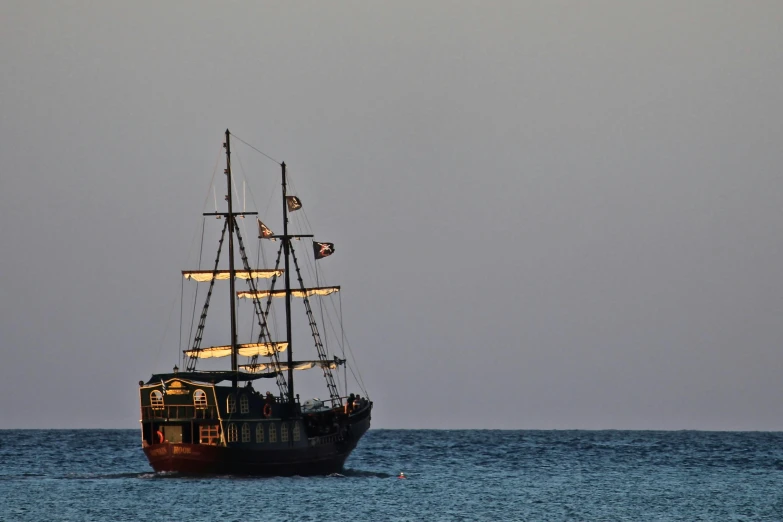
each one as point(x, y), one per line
point(547, 214)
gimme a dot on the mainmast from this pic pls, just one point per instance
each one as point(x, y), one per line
point(231, 270)
point(286, 248)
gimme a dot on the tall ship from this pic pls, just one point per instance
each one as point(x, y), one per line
point(221, 421)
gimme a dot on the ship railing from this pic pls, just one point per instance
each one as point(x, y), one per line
point(344, 400)
point(274, 398)
point(334, 401)
point(184, 412)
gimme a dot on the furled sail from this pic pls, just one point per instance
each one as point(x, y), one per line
point(206, 275)
point(296, 365)
point(307, 292)
point(247, 350)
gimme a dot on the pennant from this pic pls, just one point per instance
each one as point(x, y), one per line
point(163, 385)
point(263, 230)
point(293, 203)
point(322, 250)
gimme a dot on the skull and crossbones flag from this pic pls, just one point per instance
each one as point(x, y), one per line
point(263, 230)
point(293, 203)
point(322, 250)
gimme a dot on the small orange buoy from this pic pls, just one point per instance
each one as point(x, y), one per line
point(401, 475)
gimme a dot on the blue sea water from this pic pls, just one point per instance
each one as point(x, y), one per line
point(102, 475)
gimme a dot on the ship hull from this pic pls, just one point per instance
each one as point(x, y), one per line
point(321, 456)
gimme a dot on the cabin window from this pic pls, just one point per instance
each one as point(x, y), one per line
point(156, 399)
point(232, 432)
point(259, 432)
point(272, 432)
point(297, 432)
point(284, 432)
point(246, 432)
point(209, 435)
point(244, 404)
point(200, 399)
point(231, 404)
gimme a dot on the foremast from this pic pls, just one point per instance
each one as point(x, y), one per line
point(286, 253)
point(231, 269)
point(265, 345)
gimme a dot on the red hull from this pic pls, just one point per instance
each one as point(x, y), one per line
point(316, 457)
point(203, 459)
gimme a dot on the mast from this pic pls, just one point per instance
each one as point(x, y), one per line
point(286, 246)
point(231, 270)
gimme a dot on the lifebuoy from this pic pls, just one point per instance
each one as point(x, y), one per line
point(267, 410)
point(160, 437)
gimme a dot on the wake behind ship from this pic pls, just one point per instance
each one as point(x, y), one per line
point(216, 421)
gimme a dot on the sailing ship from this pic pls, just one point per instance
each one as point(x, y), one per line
point(214, 421)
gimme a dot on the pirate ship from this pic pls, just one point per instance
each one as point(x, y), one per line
point(214, 420)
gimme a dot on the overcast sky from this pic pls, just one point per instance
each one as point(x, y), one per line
point(547, 214)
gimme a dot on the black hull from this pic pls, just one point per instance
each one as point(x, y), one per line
point(321, 456)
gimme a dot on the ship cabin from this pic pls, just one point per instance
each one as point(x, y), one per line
point(176, 409)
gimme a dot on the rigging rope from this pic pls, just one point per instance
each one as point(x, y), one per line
point(195, 297)
point(190, 250)
point(255, 149)
point(342, 343)
point(333, 392)
point(202, 321)
point(269, 298)
point(263, 334)
point(323, 322)
point(303, 221)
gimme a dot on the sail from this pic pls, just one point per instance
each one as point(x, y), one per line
point(307, 292)
point(282, 367)
point(206, 275)
point(247, 350)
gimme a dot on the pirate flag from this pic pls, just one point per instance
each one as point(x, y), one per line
point(263, 230)
point(293, 203)
point(322, 250)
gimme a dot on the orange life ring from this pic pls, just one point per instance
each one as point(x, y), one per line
point(267, 410)
point(160, 437)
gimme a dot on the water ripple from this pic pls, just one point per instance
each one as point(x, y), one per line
point(453, 475)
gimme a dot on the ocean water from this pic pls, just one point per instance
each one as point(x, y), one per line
point(470, 475)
